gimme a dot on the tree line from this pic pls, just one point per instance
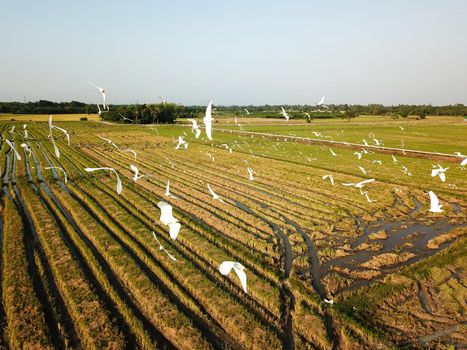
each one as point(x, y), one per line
point(169, 112)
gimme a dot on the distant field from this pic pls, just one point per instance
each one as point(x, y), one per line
point(434, 134)
point(95, 276)
point(45, 117)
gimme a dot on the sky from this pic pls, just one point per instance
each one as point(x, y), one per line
point(235, 52)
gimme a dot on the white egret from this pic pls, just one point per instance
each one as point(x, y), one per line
point(365, 193)
point(61, 169)
point(26, 148)
point(308, 116)
point(358, 155)
point(378, 142)
point(284, 114)
point(360, 184)
point(109, 142)
point(195, 127)
point(394, 160)
point(102, 92)
point(330, 177)
point(129, 150)
point(162, 248)
point(57, 152)
point(227, 266)
point(17, 155)
point(435, 207)
point(125, 118)
point(168, 219)
point(181, 142)
point(207, 120)
point(214, 194)
point(332, 152)
point(250, 173)
point(328, 301)
point(362, 169)
point(246, 110)
point(136, 177)
point(119, 182)
point(167, 191)
point(440, 172)
point(377, 162)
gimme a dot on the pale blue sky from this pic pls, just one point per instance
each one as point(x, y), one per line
point(235, 52)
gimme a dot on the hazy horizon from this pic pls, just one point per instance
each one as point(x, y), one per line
point(242, 53)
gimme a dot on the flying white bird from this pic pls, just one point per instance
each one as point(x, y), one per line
point(25, 131)
point(360, 184)
point(401, 127)
point(162, 248)
point(181, 142)
point(377, 162)
point(394, 160)
point(124, 118)
point(332, 152)
point(435, 207)
point(17, 155)
point(162, 98)
point(129, 150)
point(284, 114)
point(168, 219)
point(102, 92)
point(12, 130)
point(26, 148)
point(226, 146)
point(136, 177)
point(330, 177)
point(440, 172)
point(317, 134)
point(57, 152)
point(328, 301)
point(207, 120)
point(358, 155)
point(246, 110)
point(308, 116)
point(250, 174)
point(195, 127)
point(119, 182)
point(378, 142)
point(365, 193)
point(464, 162)
point(406, 171)
point(214, 194)
point(321, 103)
point(226, 266)
point(167, 191)
point(109, 142)
point(61, 169)
point(362, 169)
point(365, 143)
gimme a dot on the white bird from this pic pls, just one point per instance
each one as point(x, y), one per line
point(168, 219)
point(358, 155)
point(377, 162)
point(317, 134)
point(17, 155)
point(67, 135)
point(329, 301)
point(167, 191)
point(195, 127)
point(362, 169)
point(321, 103)
point(102, 92)
point(401, 127)
point(250, 174)
point(124, 118)
point(25, 131)
point(26, 148)
point(435, 207)
point(308, 116)
point(226, 146)
point(162, 99)
point(378, 142)
point(57, 152)
point(162, 248)
point(246, 110)
point(136, 177)
point(227, 266)
point(61, 169)
point(464, 162)
point(365, 193)
point(119, 182)
point(207, 120)
point(109, 142)
point(365, 143)
point(12, 130)
point(181, 142)
point(406, 171)
point(360, 184)
point(332, 152)
point(394, 160)
point(330, 177)
point(284, 114)
point(440, 172)
point(129, 150)
point(214, 194)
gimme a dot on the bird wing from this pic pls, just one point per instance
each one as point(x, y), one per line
point(211, 191)
point(225, 267)
point(442, 176)
point(18, 156)
point(198, 132)
point(433, 199)
point(174, 229)
point(366, 181)
point(349, 184)
point(242, 276)
point(167, 217)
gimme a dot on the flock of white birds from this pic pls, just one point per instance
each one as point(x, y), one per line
point(172, 222)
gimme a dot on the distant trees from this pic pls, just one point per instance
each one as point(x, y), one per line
point(145, 113)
